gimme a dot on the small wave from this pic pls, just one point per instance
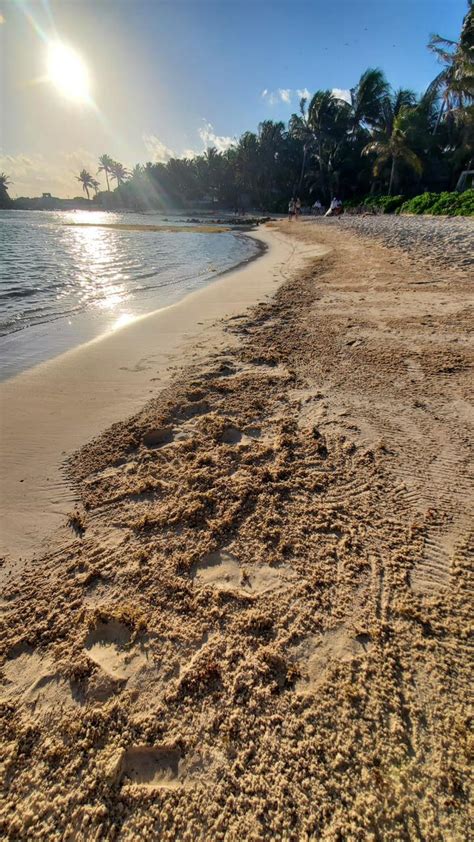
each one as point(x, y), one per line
point(50, 273)
point(18, 293)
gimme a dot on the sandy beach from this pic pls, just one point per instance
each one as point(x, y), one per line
point(244, 613)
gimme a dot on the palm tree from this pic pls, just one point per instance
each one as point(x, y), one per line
point(455, 83)
point(119, 172)
point(95, 185)
point(5, 182)
point(367, 98)
point(328, 120)
point(86, 180)
point(393, 148)
point(106, 164)
point(298, 128)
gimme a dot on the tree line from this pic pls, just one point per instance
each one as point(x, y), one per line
point(380, 142)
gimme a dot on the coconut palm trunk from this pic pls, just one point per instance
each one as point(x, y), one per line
point(392, 176)
point(303, 168)
point(439, 117)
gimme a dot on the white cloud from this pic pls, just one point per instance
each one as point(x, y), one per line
point(210, 138)
point(285, 95)
point(303, 93)
point(342, 93)
point(280, 95)
point(288, 96)
point(157, 151)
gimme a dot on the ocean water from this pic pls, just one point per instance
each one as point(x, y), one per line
point(62, 285)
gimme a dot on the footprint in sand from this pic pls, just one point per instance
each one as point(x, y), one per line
point(152, 766)
point(163, 766)
point(315, 654)
point(231, 435)
point(108, 644)
point(222, 571)
point(34, 681)
point(158, 437)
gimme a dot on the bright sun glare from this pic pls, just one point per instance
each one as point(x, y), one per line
point(67, 72)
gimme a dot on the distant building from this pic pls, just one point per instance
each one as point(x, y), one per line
point(47, 196)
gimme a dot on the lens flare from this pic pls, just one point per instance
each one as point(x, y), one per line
point(67, 72)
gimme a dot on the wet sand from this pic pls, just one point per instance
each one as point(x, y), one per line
point(257, 624)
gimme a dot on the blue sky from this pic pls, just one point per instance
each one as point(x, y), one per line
point(170, 77)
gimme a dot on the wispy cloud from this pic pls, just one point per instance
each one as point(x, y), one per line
point(303, 93)
point(284, 95)
point(280, 95)
point(157, 151)
point(342, 93)
point(210, 138)
point(289, 96)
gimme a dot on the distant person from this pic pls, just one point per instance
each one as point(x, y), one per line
point(317, 208)
point(297, 208)
point(291, 208)
point(335, 208)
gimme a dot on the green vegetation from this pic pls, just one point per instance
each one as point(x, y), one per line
point(378, 204)
point(441, 204)
point(5, 201)
point(385, 145)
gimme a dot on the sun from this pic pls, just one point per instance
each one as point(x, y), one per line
point(67, 72)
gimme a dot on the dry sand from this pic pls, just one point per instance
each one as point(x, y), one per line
point(260, 628)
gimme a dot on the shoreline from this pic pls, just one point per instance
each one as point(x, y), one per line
point(24, 346)
point(262, 613)
point(59, 405)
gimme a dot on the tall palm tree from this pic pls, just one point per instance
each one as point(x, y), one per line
point(368, 97)
point(247, 166)
point(86, 180)
point(106, 164)
point(298, 128)
point(394, 149)
point(329, 121)
point(95, 185)
point(455, 83)
point(4, 181)
point(119, 172)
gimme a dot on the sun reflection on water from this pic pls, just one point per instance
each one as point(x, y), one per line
point(123, 319)
point(101, 281)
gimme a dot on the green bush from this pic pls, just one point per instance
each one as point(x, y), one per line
point(441, 204)
point(420, 204)
point(384, 204)
point(389, 204)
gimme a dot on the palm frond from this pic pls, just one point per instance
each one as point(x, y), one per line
point(412, 159)
point(380, 162)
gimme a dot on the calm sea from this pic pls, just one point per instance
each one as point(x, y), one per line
point(62, 285)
